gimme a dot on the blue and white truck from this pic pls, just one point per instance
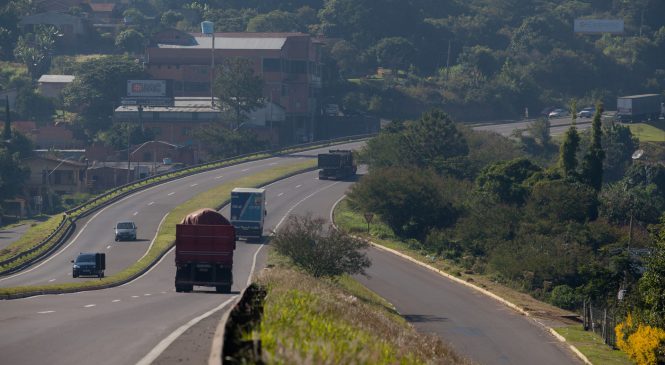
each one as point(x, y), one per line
point(248, 211)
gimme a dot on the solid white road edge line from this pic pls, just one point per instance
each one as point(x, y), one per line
point(165, 343)
point(472, 286)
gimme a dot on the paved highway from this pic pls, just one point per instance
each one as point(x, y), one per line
point(137, 321)
point(121, 325)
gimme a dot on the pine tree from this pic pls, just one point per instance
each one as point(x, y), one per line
point(569, 147)
point(592, 167)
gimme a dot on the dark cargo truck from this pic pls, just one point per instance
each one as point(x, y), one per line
point(336, 164)
point(638, 108)
point(204, 245)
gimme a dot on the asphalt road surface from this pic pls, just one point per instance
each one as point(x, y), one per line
point(123, 324)
point(138, 321)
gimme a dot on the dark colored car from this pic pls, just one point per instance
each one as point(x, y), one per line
point(89, 264)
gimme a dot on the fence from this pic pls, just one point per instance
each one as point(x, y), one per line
point(601, 321)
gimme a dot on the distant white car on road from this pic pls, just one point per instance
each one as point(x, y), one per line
point(587, 112)
point(557, 113)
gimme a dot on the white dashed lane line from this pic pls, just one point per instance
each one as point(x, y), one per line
point(219, 177)
point(272, 164)
point(171, 193)
point(89, 306)
point(280, 194)
point(297, 186)
point(147, 294)
point(52, 280)
point(135, 296)
point(151, 203)
point(245, 170)
point(108, 247)
point(115, 300)
point(135, 213)
point(193, 185)
point(45, 312)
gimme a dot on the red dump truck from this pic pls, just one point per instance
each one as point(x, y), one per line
point(204, 245)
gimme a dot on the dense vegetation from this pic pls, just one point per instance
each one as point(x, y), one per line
point(565, 230)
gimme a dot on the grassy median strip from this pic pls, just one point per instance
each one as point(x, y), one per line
point(354, 223)
point(322, 321)
point(166, 235)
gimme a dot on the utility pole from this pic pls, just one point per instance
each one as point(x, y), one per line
point(128, 154)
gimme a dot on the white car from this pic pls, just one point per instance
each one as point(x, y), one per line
point(557, 113)
point(587, 112)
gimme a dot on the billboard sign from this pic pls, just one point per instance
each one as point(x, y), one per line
point(599, 26)
point(148, 88)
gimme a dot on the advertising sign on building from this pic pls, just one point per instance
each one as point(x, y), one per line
point(598, 26)
point(147, 88)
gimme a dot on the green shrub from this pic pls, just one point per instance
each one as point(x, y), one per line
point(320, 252)
point(564, 297)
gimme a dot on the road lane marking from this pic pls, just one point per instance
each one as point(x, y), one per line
point(280, 194)
point(108, 247)
point(135, 213)
point(89, 306)
point(151, 203)
point(193, 185)
point(45, 312)
point(219, 177)
point(52, 280)
point(164, 344)
point(115, 300)
point(298, 203)
point(171, 193)
point(163, 292)
point(298, 186)
point(147, 294)
point(245, 170)
point(272, 164)
point(135, 296)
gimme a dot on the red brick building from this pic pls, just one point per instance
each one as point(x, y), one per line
point(289, 64)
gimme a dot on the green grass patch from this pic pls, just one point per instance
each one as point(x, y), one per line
point(31, 237)
point(592, 346)
point(647, 133)
point(311, 321)
point(166, 234)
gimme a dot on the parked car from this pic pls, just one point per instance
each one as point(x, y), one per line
point(90, 264)
point(125, 231)
point(557, 113)
point(587, 112)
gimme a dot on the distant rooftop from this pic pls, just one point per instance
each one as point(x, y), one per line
point(186, 104)
point(233, 42)
point(56, 78)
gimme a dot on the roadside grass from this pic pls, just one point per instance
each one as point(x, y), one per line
point(35, 234)
point(165, 236)
point(322, 321)
point(354, 222)
point(647, 133)
point(592, 346)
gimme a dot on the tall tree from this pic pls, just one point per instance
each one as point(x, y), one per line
point(239, 89)
point(592, 166)
point(97, 89)
point(35, 49)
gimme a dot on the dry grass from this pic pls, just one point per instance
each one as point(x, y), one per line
point(310, 321)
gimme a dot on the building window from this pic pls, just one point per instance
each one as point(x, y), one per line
point(272, 65)
point(285, 90)
point(298, 67)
